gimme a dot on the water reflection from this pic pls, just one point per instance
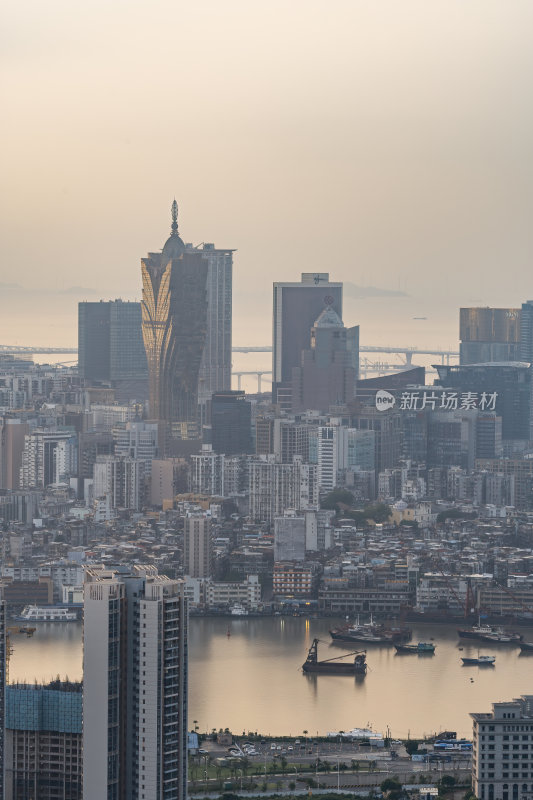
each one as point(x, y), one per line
point(252, 679)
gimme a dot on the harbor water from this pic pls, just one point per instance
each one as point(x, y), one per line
point(252, 680)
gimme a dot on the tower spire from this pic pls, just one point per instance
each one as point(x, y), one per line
point(174, 226)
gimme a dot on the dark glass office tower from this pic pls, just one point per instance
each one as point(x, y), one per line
point(111, 347)
point(296, 307)
point(231, 416)
point(174, 323)
point(526, 332)
point(215, 368)
point(510, 383)
point(94, 341)
point(326, 375)
point(489, 334)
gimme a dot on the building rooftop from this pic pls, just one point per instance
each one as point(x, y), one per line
point(328, 319)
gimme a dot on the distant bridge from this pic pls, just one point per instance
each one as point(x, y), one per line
point(408, 352)
point(367, 365)
point(15, 349)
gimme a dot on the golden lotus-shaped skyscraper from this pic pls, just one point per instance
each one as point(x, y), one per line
point(174, 321)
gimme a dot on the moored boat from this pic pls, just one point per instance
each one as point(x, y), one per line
point(526, 647)
point(33, 613)
point(370, 633)
point(474, 632)
point(421, 648)
point(479, 661)
point(488, 633)
point(334, 666)
point(500, 637)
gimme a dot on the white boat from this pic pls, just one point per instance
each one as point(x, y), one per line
point(238, 611)
point(46, 614)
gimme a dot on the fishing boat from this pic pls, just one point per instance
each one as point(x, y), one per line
point(479, 661)
point(488, 633)
point(421, 648)
point(335, 666)
point(499, 636)
point(475, 631)
point(370, 633)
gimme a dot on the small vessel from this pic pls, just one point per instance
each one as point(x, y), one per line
point(238, 610)
point(475, 631)
point(526, 647)
point(32, 613)
point(421, 648)
point(500, 637)
point(479, 661)
point(335, 666)
point(366, 637)
point(487, 633)
point(370, 633)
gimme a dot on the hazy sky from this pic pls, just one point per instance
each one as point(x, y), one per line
point(388, 142)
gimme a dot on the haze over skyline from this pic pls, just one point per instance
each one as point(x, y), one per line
point(386, 143)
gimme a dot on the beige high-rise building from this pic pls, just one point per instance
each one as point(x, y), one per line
point(169, 476)
point(197, 549)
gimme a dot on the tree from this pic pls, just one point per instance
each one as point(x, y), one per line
point(390, 785)
point(379, 512)
point(336, 499)
point(357, 516)
point(411, 745)
point(446, 784)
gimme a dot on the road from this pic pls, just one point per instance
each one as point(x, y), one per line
point(374, 764)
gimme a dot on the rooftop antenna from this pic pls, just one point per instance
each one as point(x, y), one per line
point(174, 226)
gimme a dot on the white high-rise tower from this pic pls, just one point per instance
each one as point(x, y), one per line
point(134, 685)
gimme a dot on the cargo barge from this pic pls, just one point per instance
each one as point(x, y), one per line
point(335, 666)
